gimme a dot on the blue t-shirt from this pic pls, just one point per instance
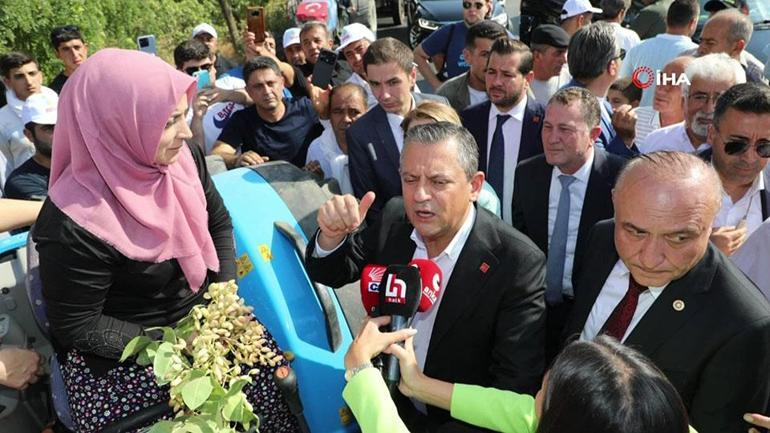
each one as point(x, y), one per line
point(450, 41)
point(28, 182)
point(285, 140)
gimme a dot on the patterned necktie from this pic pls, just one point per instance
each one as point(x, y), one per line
point(557, 250)
point(496, 159)
point(617, 324)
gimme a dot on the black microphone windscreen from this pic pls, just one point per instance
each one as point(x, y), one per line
point(400, 291)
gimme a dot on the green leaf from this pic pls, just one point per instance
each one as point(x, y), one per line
point(162, 427)
point(169, 335)
point(196, 391)
point(235, 408)
point(185, 327)
point(162, 362)
point(135, 346)
point(146, 356)
point(238, 385)
point(198, 424)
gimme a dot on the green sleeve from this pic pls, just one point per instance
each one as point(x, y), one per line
point(494, 409)
point(370, 401)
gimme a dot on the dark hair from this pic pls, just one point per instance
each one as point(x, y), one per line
point(191, 49)
point(62, 34)
point(747, 98)
point(257, 63)
point(589, 105)
point(486, 29)
point(611, 8)
point(14, 60)
point(604, 386)
point(505, 46)
point(627, 87)
point(352, 86)
point(682, 12)
point(387, 50)
point(310, 25)
point(591, 49)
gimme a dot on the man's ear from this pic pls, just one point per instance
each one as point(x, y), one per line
point(477, 183)
point(29, 135)
point(467, 54)
point(529, 77)
point(738, 46)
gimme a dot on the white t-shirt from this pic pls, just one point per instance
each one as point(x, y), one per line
point(477, 96)
point(543, 90)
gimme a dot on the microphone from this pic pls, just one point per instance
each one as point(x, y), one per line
point(430, 275)
point(371, 277)
point(399, 298)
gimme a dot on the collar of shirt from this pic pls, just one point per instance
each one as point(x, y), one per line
point(452, 250)
point(583, 173)
point(395, 120)
point(517, 112)
point(673, 37)
point(757, 186)
point(624, 272)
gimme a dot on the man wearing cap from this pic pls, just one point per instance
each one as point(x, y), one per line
point(30, 180)
point(576, 14)
point(614, 13)
point(444, 47)
point(22, 77)
point(67, 42)
point(729, 31)
point(653, 54)
point(714, 6)
point(206, 33)
point(469, 88)
point(549, 58)
point(354, 42)
point(292, 47)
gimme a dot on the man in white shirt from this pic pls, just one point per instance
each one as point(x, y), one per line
point(347, 102)
point(507, 127)
point(655, 282)
point(709, 77)
point(22, 77)
point(615, 13)
point(488, 323)
point(576, 14)
point(549, 59)
point(740, 137)
point(354, 42)
point(651, 55)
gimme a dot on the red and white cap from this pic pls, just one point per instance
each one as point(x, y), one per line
point(354, 32)
point(40, 108)
point(576, 7)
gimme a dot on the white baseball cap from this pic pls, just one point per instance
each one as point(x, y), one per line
point(291, 36)
point(204, 28)
point(354, 32)
point(40, 108)
point(576, 7)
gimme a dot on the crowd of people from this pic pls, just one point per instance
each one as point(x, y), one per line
point(596, 199)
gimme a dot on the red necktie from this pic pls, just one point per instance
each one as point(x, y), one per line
point(621, 316)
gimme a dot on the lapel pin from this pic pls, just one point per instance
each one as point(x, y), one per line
point(484, 267)
point(535, 119)
point(678, 305)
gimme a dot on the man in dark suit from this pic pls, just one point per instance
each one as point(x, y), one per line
point(487, 326)
point(655, 282)
point(507, 127)
point(556, 218)
point(376, 138)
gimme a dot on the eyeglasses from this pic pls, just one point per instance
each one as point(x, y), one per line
point(467, 5)
point(738, 147)
point(703, 98)
point(193, 69)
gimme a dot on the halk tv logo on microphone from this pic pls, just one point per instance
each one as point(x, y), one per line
point(375, 278)
point(395, 290)
point(644, 76)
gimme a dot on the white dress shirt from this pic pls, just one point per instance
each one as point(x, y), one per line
point(647, 120)
point(673, 137)
point(612, 293)
point(748, 207)
point(577, 194)
point(395, 121)
point(512, 139)
point(752, 256)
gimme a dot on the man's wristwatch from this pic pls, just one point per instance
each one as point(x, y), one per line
point(349, 373)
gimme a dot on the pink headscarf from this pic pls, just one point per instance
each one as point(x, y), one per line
point(103, 175)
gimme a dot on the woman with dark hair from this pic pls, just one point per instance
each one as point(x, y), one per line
point(597, 387)
point(131, 235)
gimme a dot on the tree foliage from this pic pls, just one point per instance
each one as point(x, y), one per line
point(26, 25)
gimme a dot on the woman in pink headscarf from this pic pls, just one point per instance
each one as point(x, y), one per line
point(132, 231)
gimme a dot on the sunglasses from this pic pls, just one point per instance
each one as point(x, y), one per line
point(193, 69)
point(467, 5)
point(738, 147)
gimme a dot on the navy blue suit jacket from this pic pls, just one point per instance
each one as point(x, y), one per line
point(374, 156)
point(476, 119)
